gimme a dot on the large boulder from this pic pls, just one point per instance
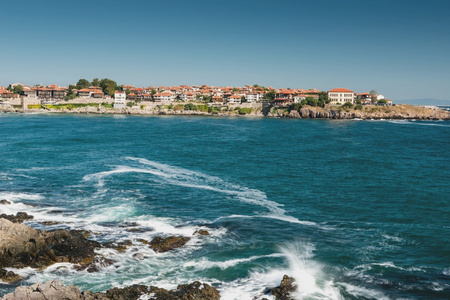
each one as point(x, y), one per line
point(18, 218)
point(193, 291)
point(42, 291)
point(133, 292)
point(284, 291)
point(22, 246)
point(160, 244)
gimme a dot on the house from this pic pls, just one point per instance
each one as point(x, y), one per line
point(44, 93)
point(340, 96)
point(85, 93)
point(30, 92)
point(119, 99)
point(365, 98)
point(187, 97)
point(132, 97)
point(147, 97)
point(254, 97)
point(284, 97)
point(164, 96)
point(234, 99)
point(217, 99)
point(98, 94)
point(59, 93)
point(4, 93)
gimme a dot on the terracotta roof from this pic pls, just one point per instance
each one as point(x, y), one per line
point(164, 94)
point(85, 90)
point(341, 90)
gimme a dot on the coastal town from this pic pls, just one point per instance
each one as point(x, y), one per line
point(106, 97)
point(109, 93)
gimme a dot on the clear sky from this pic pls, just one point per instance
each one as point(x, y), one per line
point(399, 48)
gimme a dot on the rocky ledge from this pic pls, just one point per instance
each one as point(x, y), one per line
point(23, 246)
point(57, 290)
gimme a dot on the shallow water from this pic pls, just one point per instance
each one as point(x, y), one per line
point(351, 209)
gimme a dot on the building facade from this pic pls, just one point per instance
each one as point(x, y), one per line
point(340, 96)
point(120, 99)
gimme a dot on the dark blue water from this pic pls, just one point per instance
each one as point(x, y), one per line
point(351, 209)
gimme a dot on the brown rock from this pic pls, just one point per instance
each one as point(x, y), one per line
point(49, 290)
point(5, 202)
point(284, 291)
point(201, 232)
point(23, 246)
point(160, 244)
point(18, 218)
point(193, 291)
point(9, 276)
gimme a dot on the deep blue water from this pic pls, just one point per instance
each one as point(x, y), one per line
point(351, 209)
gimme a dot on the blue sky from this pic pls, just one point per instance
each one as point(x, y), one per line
point(399, 48)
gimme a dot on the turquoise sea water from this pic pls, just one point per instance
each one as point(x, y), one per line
point(352, 209)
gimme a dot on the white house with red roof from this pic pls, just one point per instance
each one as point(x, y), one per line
point(340, 96)
point(120, 99)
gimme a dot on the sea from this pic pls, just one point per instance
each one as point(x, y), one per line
point(352, 209)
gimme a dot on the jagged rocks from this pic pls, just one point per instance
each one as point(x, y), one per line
point(57, 290)
point(5, 202)
point(9, 276)
point(133, 292)
point(193, 291)
point(201, 232)
point(160, 244)
point(18, 218)
point(22, 246)
point(284, 291)
point(42, 291)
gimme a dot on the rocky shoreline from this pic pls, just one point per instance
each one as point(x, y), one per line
point(369, 112)
point(22, 246)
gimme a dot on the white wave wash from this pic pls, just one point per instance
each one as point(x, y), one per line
point(192, 179)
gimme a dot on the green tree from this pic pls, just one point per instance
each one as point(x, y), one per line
point(382, 101)
point(243, 99)
point(235, 89)
point(153, 91)
point(18, 89)
point(270, 95)
point(70, 93)
point(347, 105)
point(83, 83)
point(373, 95)
point(108, 86)
point(95, 82)
point(127, 92)
point(323, 99)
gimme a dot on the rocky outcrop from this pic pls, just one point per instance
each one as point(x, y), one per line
point(133, 292)
point(5, 202)
point(42, 291)
point(18, 218)
point(201, 232)
point(9, 276)
point(57, 290)
point(160, 244)
point(22, 246)
point(193, 291)
point(285, 290)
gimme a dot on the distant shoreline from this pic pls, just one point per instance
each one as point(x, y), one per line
point(369, 112)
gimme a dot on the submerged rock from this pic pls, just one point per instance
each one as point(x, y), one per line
point(160, 244)
point(5, 202)
point(9, 276)
point(193, 291)
point(284, 291)
point(22, 246)
point(57, 290)
point(50, 290)
point(18, 218)
point(201, 232)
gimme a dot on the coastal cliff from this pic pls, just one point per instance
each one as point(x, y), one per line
point(401, 111)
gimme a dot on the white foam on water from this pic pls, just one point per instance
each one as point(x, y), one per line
point(204, 263)
point(366, 293)
point(19, 196)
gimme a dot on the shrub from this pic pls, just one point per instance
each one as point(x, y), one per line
point(245, 111)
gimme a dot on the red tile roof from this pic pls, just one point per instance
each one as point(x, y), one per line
point(341, 90)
